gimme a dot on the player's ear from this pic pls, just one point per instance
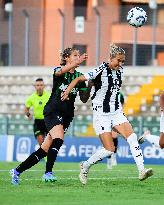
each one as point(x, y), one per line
point(66, 59)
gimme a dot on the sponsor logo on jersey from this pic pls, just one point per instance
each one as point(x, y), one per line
point(64, 87)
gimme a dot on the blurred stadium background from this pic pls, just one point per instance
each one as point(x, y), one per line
point(32, 34)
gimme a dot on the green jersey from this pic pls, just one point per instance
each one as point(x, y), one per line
point(60, 83)
point(38, 103)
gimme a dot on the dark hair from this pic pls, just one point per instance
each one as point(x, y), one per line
point(66, 53)
point(39, 79)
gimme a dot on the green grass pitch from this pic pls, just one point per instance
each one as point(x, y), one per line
point(118, 186)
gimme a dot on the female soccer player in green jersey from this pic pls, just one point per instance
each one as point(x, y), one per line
point(58, 114)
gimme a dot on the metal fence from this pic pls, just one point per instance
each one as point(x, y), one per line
point(81, 125)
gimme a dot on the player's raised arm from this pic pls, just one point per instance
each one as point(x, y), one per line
point(71, 65)
point(87, 76)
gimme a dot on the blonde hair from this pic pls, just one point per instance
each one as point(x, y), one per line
point(115, 50)
point(65, 54)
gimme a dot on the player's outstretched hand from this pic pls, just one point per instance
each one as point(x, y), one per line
point(64, 96)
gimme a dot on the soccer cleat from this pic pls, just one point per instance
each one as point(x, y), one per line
point(14, 177)
point(113, 159)
point(49, 177)
point(109, 163)
point(83, 174)
point(145, 174)
point(142, 138)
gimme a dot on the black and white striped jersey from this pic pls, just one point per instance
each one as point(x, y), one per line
point(107, 84)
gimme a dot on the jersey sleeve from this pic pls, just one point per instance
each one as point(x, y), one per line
point(28, 102)
point(56, 69)
point(94, 72)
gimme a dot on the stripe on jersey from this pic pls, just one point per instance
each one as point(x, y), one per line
point(107, 85)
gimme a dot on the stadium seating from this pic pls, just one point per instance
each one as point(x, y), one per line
point(139, 101)
point(15, 86)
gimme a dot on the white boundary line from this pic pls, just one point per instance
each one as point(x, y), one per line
point(90, 178)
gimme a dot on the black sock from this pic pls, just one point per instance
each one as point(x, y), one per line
point(115, 144)
point(33, 159)
point(52, 153)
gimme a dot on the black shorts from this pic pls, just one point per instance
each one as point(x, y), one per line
point(53, 119)
point(39, 128)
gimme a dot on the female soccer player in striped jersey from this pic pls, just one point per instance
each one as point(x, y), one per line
point(107, 112)
point(57, 114)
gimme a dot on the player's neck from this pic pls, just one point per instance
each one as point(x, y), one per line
point(40, 94)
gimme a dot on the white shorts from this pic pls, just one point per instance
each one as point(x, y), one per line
point(162, 122)
point(105, 122)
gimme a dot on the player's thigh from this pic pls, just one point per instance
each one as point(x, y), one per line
point(125, 129)
point(57, 132)
point(107, 141)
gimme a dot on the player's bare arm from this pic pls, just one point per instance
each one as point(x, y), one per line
point(72, 65)
point(65, 94)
